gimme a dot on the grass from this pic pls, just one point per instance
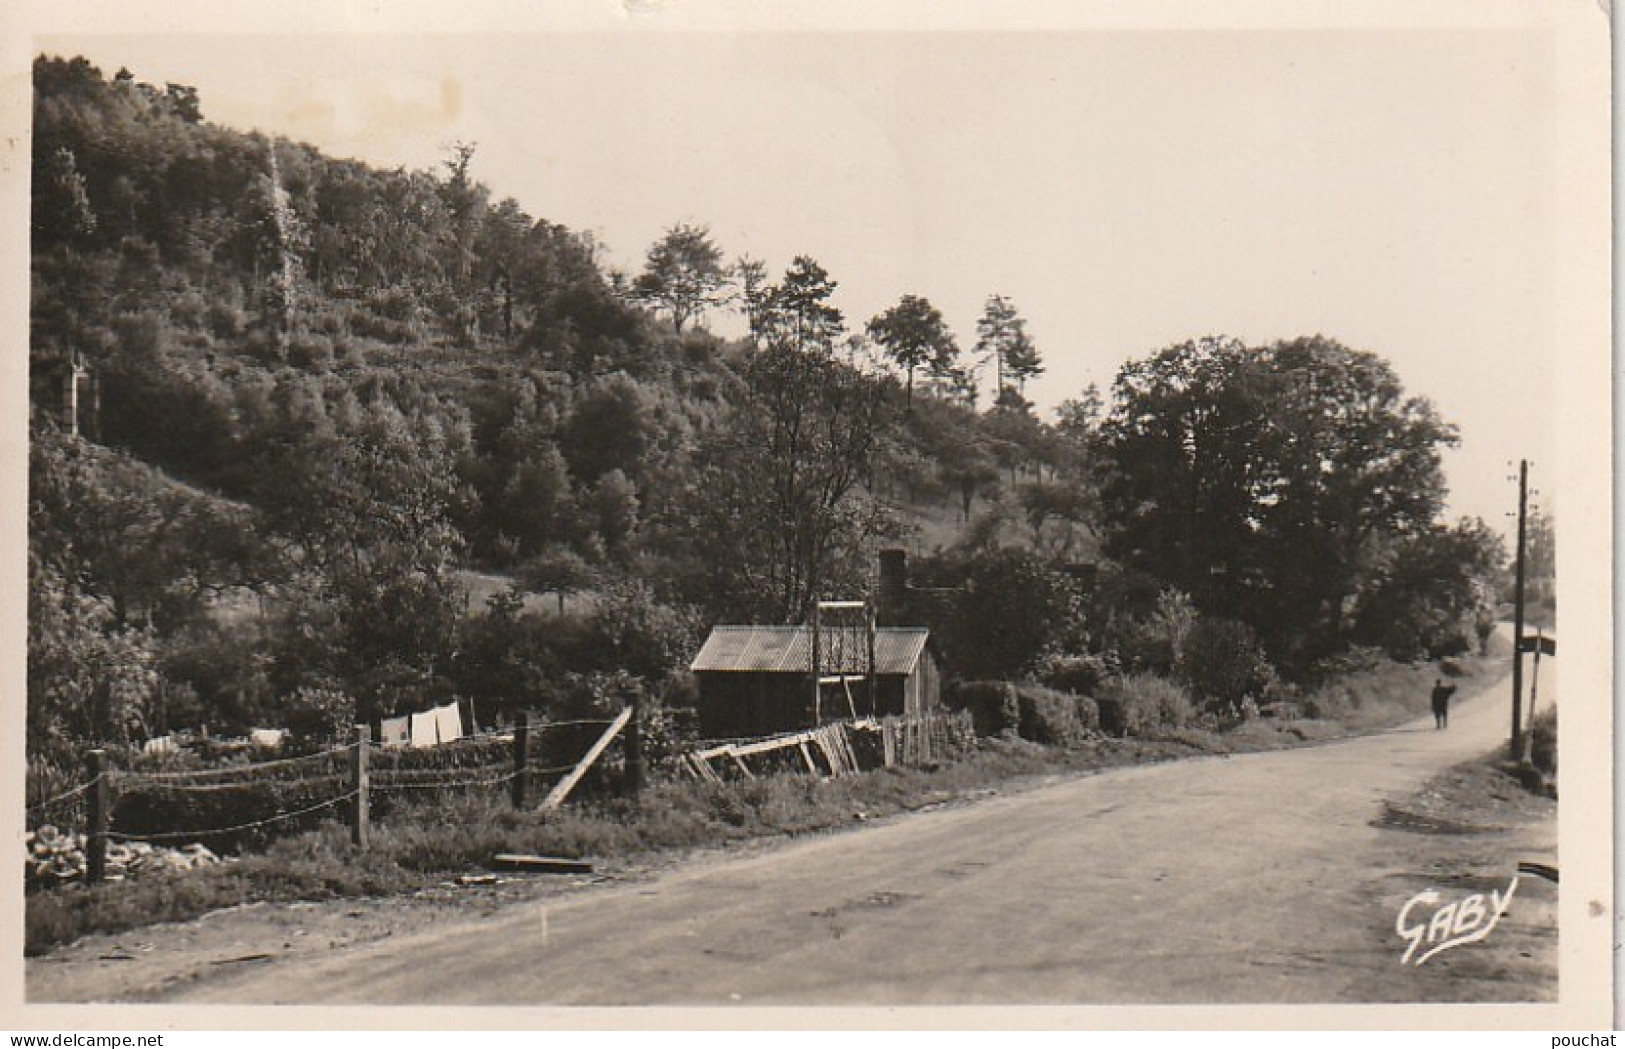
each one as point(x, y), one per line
point(418, 845)
point(422, 844)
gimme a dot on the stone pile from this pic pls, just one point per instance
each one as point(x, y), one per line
point(56, 857)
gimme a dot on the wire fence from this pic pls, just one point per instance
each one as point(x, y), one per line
point(243, 804)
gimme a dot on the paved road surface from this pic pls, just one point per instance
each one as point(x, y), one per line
point(1246, 879)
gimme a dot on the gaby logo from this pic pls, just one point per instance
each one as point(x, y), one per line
point(1431, 928)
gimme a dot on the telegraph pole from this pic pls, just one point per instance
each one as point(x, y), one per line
point(1517, 613)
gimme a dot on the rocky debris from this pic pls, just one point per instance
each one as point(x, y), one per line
point(55, 857)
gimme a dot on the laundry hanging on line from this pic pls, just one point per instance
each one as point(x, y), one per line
point(449, 722)
point(396, 732)
point(423, 729)
point(267, 737)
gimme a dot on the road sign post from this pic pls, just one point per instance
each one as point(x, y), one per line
point(1516, 748)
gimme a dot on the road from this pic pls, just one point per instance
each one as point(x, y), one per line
point(1252, 878)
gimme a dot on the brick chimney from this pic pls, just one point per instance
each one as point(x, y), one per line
point(891, 600)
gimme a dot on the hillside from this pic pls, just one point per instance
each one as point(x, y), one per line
point(378, 387)
point(371, 405)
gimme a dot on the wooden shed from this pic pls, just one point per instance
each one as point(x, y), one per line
point(757, 680)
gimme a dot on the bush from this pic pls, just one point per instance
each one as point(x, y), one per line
point(1543, 741)
point(1079, 675)
point(227, 815)
point(312, 352)
point(1057, 718)
point(994, 706)
point(1156, 645)
point(1137, 703)
point(1356, 659)
point(1222, 663)
point(319, 715)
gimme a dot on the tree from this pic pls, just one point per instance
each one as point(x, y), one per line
point(62, 209)
point(751, 277)
point(914, 335)
point(377, 603)
point(683, 275)
point(1431, 590)
point(1077, 418)
point(89, 680)
point(609, 428)
point(1540, 568)
point(1034, 607)
point(183, 102)
point(1001, 336)
point(560, 571)
point(152, 550)
point(777, 513)
point(1265, 482)
point(797, 313)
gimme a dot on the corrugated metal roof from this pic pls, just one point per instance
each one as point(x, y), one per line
point(788, 649)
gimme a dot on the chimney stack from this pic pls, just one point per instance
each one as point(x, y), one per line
point(892, 599)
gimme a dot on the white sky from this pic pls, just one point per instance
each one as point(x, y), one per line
point(1398, 189)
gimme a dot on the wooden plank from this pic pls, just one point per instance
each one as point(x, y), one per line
point(510, 861)
point(806, 755)
point(837, 744)
point(776, 743)
point(846, 745)
point(822, 743)
point(562, 789)
point(740, 763)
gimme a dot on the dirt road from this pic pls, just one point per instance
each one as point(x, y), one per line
point(1268, 877)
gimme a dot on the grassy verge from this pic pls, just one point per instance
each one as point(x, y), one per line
point(422, 844)
point(419, 845)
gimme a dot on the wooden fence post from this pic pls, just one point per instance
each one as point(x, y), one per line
point(561, 790)
point(96, 832)
point(359, 784)
point(521, 758)
point(634, 748)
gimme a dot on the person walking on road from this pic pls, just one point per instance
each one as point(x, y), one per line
point(1441, 703)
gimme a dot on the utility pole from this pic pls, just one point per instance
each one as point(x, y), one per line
point(1517, 613)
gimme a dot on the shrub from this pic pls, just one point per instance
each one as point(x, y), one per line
point(1079, 675)
point(228, 815)
point(384, 329)
point(319, 715)
point(226, 320)
point(1543, 741)
point(994, 706)
point(1056, 718)
point(1137, 703)
point(312, 352)
point(1157, 644)
point(1356, 659)
point(1222, 662)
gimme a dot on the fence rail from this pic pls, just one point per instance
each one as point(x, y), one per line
point(839, 748)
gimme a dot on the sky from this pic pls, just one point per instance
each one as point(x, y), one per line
point(1399, 189)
